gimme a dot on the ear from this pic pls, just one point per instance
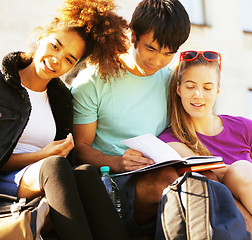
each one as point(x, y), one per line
point(218, 90)
point(133, 37)
point(178, 89)
point(39, 39)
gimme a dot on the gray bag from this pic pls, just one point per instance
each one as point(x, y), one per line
point(197, 208)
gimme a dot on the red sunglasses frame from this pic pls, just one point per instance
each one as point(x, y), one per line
point(202, 54)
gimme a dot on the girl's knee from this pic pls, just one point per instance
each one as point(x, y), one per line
point(55, 165)
point(55, 162)
point(54, 169)
point(239, 172)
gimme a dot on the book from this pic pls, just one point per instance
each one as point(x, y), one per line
point(164, 155)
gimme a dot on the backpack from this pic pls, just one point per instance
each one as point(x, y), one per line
point(18, 217)
point(196, 208)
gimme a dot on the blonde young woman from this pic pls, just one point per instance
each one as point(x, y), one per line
point(196, 130)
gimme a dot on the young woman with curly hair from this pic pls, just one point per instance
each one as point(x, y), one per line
point(36, 117)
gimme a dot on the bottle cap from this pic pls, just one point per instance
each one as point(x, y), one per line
point(104, 169)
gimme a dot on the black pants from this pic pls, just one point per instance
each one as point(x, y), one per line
point(80, 207)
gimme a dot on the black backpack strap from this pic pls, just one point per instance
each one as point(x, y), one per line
point(10, 204)
point(5, 197)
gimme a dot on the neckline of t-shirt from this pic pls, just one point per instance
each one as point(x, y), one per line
point(34, 92)
point(143, 77)
point(219, 134)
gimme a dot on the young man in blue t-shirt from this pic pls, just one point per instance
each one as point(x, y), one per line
point(132, 105)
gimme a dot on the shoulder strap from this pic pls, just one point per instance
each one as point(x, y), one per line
point(173, 217)
point(172, 214)
point(197, 209)
point(8, 197)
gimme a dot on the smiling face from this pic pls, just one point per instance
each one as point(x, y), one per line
point(57, 54)
point(148, 55)
point(198, 90)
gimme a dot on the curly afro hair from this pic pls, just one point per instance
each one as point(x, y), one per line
point(108, 32)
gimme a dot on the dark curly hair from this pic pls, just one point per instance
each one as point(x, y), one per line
point(106, 32)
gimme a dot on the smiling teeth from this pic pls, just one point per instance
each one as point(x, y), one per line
point(48, 65)
point(197, 105)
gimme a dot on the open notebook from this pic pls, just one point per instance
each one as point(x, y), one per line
point(163, 155)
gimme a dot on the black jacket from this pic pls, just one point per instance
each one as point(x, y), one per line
point(15, 106)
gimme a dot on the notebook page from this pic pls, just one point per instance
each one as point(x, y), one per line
point(152, 148)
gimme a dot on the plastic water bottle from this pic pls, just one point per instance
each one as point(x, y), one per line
point(111, 188)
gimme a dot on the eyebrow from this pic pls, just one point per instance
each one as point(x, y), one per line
point(149, 46)
point(69, 54)
point(190, 81)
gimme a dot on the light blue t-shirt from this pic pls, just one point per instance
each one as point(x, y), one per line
point(126, 107)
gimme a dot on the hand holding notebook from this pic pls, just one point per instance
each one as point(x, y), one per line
point(163, 155)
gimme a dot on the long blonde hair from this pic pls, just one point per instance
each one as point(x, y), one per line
point(181, 122)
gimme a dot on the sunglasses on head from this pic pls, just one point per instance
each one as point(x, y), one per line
point(207, 55)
